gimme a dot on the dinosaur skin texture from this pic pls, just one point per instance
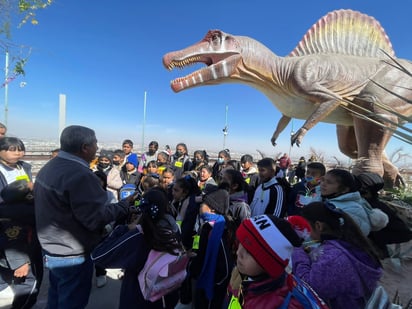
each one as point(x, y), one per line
point(357, 85)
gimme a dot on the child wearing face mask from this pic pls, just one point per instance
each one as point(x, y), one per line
point(221, 163)
point(307, 190)
point(180, 161)
point(105, 165)
point(211, 267)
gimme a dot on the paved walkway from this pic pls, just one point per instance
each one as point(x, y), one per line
point(100, 298)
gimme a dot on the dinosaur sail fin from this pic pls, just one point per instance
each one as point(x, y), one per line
point(345, 32)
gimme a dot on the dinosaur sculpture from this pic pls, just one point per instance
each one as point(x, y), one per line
point(343, 71)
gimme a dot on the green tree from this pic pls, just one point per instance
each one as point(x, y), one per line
point(19, 13)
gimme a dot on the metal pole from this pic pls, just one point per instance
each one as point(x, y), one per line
point(62, 112)
point(6, 90)
point(144, 120)
point(225, 129)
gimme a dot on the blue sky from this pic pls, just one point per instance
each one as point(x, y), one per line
point(103, 55)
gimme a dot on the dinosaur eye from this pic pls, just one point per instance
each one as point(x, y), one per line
point(216, 38)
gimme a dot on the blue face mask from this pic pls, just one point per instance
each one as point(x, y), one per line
point(309, 178)
point(220, 160)
point(209, 217)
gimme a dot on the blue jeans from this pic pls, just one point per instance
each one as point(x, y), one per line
point(70, 281)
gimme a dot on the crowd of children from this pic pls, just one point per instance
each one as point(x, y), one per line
point(233, 218)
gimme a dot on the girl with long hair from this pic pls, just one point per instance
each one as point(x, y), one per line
point(128, 247)
point(339, 187)
point(343, 267)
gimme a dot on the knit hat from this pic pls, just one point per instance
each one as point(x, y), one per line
point(301, 226)
point(132, 158)
point(270, 240)
point(369, 182)
point(218, 200)
point(106, 154)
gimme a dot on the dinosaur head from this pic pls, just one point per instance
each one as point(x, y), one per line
point(218, 50)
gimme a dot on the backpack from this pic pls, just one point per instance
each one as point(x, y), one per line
point(303, 293)
point(126, 190)
point(162, 273)
point(379, 299)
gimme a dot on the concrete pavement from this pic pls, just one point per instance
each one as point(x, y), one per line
point(100, 298)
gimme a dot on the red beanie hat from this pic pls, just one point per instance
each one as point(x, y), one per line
point(270, 241)
point(301, 226)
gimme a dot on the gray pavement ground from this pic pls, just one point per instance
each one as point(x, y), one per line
point(100, 298)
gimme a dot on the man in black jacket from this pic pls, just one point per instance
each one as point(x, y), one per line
point(71, 212)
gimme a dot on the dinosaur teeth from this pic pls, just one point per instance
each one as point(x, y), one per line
point(182, 63)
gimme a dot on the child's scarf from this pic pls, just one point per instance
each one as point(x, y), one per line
point(206, 279)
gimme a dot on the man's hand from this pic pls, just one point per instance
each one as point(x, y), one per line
point(22, 271)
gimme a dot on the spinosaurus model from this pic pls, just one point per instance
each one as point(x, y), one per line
point(343, 71)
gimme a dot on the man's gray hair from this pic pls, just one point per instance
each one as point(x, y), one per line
point(74, 137)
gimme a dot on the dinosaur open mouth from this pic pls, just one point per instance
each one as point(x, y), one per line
point(218, 65)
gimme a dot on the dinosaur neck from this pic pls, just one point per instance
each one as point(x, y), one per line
point(262, 69)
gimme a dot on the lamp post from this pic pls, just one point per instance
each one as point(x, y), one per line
point(6, 89)
point(144, 120)
point(225, 129)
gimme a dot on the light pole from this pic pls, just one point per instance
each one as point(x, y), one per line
point(144, 120)
point(225, 129)
point(6, 89)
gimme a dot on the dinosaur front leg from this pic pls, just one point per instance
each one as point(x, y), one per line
point(323, 109)
point(283, 122)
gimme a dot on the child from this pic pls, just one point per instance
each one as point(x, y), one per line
point(397, 231)
point(270, 196)
point(250, 174)
point(212, 266)
point(339, 188)
point(100, 272)
point(128, 247)
point(234, 182)
point(343, 269)
point(265, 247)
point(130, 175)
point(307, 190)
point(184, 192)
point(167, 181)
point(21, 266)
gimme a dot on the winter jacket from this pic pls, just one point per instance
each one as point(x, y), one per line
point(239, 208)
point(127, 249)
point(341, 274)
point(224, 266)
point(21, 164)
point(264, 293)
point(269, 198)
point(19, 244)
point(354, 205)
point(187, 215)
point(180, 165)
point(71, 206)
point(301, 195)
point(251, 177)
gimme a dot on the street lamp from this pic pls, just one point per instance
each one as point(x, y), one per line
point(225, 129)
